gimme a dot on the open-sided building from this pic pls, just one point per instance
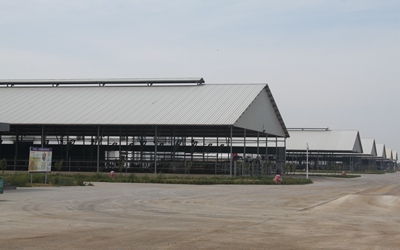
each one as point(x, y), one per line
point(369, 154)
point(380, 156)
point(327, 149)
point(139, 124)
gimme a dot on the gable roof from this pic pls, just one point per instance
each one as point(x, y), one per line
point(324, 141)
point(394, 156)
point(249, 106)
point(380, 150)
point(369, 147)
point(389, 154)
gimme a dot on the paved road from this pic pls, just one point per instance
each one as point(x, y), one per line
point(361, 213)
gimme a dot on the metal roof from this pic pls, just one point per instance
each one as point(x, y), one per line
point(206, 104)
point(389, 153)
point(368, 146)
point(380, 150)
point(324, 141)
point(394, 155)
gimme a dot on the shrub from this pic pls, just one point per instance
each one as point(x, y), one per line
point(132, 178)
point(121, 167)
point(61, 180)
point(18, 180)
point(160, 177)
point(23, 180)
point(58, 165)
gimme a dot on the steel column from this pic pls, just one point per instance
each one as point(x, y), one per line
point(155, 150)
point(98, 149)
point(42, 139)
point(244, 145)
point(230, 156)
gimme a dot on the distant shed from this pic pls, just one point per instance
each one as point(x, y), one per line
point(369, 155)
point(391, 159)
point(395, 156)
point(369, 147)
point(381, 150)
point(325, 147)
point(381, 157)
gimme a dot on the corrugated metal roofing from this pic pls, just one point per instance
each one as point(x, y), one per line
point(394, 155)
point(368, 146)
point(210, 104)
point(380, 150)
point(324, 140)
point(389, 153)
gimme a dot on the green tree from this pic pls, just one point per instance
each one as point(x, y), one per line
point(288, 167)
point(293, 168)
point(3, 165)
point(246, 166)
point(336, 168)
point(58, 165)
point(188, 166)
point(267, 166)
point(121, 167)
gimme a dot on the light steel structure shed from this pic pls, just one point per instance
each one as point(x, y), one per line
point(325, 147)
point(369, 154)
point(324, 140)
point(390, 162)
point(389, 155)
point(369, 147)
point(381, 150)
point(381, 156)
point(125, 108)
point(395, 159)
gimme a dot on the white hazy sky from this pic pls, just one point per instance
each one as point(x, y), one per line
point(333, 63)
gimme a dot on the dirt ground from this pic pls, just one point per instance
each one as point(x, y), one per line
point(332, 213)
